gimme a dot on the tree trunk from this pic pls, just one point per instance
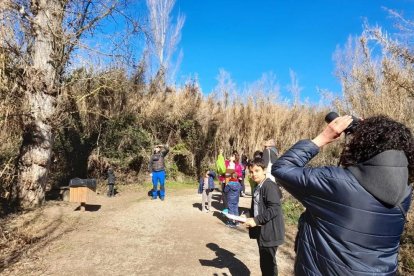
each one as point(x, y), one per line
point(40, 96)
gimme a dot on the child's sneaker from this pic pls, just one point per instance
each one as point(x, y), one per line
point(230, 224)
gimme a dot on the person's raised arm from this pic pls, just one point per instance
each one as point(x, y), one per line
point(290, 170)
point(165, 149)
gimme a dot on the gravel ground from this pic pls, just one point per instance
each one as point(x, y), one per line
point(133, 235)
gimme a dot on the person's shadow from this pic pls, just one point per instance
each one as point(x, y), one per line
point(225, 259)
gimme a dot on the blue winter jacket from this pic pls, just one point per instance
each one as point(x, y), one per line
point(354, 216)
point(232, 191)
point(211, 176)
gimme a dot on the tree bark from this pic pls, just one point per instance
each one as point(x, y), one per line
point(41, 97)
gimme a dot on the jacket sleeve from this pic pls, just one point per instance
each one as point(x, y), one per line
point(239, 170)
point(298, 180)
point(150, 164)
point(271, 202)
point(165, 150)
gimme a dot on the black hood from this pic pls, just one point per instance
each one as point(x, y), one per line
point(385, 176)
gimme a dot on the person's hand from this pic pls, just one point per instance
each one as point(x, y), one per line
point(333, 130)
point(250, 223)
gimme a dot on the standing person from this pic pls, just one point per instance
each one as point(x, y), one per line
point(232, 192)
point(243, 163)
point(157, 168)
point(355, 214)
point(230, 166)
point(266, 223)
point(206, 188)
point(111, 182)
point(270, 154)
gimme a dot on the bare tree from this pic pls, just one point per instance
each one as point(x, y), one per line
point(164, 35)
point(41, 37)
point(294, 87)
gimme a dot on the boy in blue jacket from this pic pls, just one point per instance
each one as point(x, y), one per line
point(206, 188)
point(232, 192)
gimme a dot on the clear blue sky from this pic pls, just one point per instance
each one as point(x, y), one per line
point(248, 38)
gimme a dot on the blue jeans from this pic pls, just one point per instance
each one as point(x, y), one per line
point(158, 177)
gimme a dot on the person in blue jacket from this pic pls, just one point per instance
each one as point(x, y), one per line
point(206, 188)
point(355, 214)
point(232, 192)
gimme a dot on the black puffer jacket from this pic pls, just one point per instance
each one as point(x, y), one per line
point(156, 162)
point(354, 216)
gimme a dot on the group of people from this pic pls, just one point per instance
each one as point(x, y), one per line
point(265, 222)
point(355, 212)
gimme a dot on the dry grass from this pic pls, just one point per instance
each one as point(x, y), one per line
point(197, 126)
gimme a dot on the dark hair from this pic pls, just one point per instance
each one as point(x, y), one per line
point(258, 153)
point(244, 158)
point(375, 135)
point(257, 161)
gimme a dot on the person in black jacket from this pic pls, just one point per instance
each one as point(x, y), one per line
point(266, 223)
point(355, 214)
point(111, 182)
point(156, 166)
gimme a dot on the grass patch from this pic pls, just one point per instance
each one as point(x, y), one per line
point(292, 209)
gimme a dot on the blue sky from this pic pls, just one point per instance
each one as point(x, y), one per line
point(248, 38)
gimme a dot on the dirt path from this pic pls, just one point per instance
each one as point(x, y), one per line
point(133, 235)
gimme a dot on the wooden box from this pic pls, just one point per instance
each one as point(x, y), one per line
point(80, 194)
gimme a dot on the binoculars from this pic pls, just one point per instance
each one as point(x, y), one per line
point(350, 129)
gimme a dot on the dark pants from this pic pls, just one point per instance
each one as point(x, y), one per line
point(111, 190)
point(268, 263)
point(243, 190)
point(223, 195)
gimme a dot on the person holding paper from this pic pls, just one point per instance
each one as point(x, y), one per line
point(266, 223)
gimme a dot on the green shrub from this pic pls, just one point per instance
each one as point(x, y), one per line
point(292, 209)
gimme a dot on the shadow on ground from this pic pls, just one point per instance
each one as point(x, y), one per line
point(89, 208)
point(225, 259)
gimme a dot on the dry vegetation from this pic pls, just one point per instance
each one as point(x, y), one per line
point(109, 117)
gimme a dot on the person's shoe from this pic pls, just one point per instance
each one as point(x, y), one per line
point(162, 199)
point(230, 225)
point(226, 211)
point(153, 198)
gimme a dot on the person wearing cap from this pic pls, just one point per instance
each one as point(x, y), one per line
point(355, 213)
point(156, 166)
point(270, 154)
